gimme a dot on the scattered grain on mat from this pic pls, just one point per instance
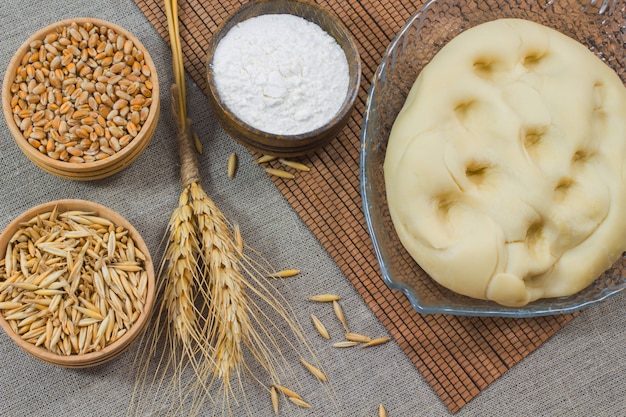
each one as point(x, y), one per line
point(293, 164)
point(299, 402)
point(287, 391)
point(324, 298)
point(357, 337)
point(265, 159)
point(340, 315)
point(279, 173)
point(232, 165)
point(314, 370)
point(319, 326)
point(274, 398)
point(285, 273)
point(376, 342)
point(345, 344)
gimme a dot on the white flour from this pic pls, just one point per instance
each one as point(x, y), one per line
point(281, 74)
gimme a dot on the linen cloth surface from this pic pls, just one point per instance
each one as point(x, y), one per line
point(580, 371)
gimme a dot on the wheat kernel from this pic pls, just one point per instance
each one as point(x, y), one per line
point(266, 158)
point(324, 298)
point(319, 326)
point(314, 370)
point(376, 342)
point(287, 391)
point(295, 165)
point(232, 165)
point(356, 337)
point(299, 402)
point(279, 173)
point(285, 273)
point(345, 344)
point(274, 398)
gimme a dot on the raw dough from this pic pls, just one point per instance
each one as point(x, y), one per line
point(505, 168)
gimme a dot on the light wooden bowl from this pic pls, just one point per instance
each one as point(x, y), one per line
point(111, 350)
point(286, 145)
point(74, 170)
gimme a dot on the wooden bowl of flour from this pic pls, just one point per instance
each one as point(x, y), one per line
point(261, 139)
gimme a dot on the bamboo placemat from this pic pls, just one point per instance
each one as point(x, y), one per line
point(458, 356)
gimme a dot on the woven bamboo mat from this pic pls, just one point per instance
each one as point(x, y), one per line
point(458, 356)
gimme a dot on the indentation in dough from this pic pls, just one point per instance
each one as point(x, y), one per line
point(535, 239)
point(532, 136)
point(477, 172)
point(532, 59)
point(463, 110)
point(489, 68)
point(599, 114)
point(443, 205)
point(599, 119)
point(598, 95)
point(581, 156)
point(562, 188)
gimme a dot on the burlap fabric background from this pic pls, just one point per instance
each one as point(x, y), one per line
point(578, 372)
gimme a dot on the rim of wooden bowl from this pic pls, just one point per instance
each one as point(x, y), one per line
point(72, 170)
point(119, 346)
point(286, 145)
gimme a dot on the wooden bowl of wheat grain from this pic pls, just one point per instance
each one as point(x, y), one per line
point(81, 98)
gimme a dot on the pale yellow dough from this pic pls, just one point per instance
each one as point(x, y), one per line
point(505, 168)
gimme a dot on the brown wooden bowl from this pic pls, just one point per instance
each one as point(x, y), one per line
point(109, 351)
point(286, 145)
point(80, 171)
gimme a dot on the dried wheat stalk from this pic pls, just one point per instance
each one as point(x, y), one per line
point(217, 309)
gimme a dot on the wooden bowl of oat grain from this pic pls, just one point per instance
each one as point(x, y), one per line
point(81, 98)
point(77, 283)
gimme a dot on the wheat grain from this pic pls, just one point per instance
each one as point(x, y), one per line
point(357, 337)
point(319, 326)
point(299, 402)
point(376, 342)
point(238, 239)
point(340, 315)
point(287, 391)
point(89, 313)
point(9, 305)
point(314, 370)
point(279, 173)
point(295, 165)
point(197, 143)
point(232, 165)
point(266, 158)
point(381, 411)
point(345, 344)
point(324, 298)
point(285, 273)
point(274, 398)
